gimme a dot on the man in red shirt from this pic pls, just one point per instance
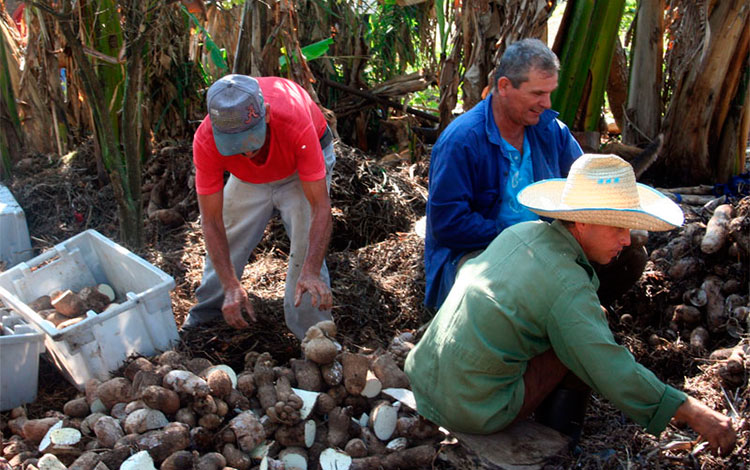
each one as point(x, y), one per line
point(274, 142)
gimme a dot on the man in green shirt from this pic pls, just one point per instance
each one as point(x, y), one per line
point(524, 316)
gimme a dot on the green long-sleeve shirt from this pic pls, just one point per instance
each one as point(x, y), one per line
point(531, 289)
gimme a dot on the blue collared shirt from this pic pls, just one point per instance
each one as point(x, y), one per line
point(468, 170)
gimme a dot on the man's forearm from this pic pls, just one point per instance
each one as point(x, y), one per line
point(217, 247)
point(319, 237)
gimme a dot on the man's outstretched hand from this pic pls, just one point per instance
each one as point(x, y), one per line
point(235, 300)
point(320, 293)
point(713, 426)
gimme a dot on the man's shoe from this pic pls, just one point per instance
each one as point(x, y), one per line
point(193, 321)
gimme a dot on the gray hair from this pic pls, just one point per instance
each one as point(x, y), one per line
point(520, 57)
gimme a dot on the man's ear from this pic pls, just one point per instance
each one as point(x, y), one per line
point(503, 83)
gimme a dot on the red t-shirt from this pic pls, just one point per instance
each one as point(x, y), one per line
point(295, 129)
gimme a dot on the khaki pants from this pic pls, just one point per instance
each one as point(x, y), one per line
point(247, 210)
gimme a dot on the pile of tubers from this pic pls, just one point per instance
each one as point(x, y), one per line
point(707, 266)
point(64, 308)
point(329, 409)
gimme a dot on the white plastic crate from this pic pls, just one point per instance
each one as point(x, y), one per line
point(143, 323)
point(15, 244)
point(20, 346)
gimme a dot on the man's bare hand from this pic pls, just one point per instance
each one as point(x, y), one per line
point(320, 293)
point(714, 427)
point(235, 300)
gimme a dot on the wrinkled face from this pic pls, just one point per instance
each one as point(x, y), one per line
point(602, 243)
point(524, 105)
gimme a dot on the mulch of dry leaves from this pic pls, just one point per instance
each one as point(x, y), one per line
point(375, 260)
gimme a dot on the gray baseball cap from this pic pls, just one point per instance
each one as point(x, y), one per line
point(238, 114)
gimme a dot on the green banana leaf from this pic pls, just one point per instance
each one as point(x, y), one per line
point(311, 51)
point(218, 57)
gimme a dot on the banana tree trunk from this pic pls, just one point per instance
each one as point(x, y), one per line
point(697, 119)
point(11, 134)
point(644, 106)
point(124, 175)
point(585, 44)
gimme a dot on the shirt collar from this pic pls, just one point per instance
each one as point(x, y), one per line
point(581, 259)
point(493, 134)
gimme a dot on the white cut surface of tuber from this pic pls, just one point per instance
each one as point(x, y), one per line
point(308, 401)
point(372, 386)
point(294, 458)
point(332, 459)
point(47, 439)
point(383, 420)
point(50, 462)
point(139, 461)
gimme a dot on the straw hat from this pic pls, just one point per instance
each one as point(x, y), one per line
point(601, 189)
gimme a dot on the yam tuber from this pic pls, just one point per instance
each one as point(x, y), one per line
point(389, 373)
point(307, 374)
point(698, 339)
point(286, 409)
point(76, 408)
point(108, 431)
point(717, 229)
point(180, 460)
point(162, 443)
point(236, 458)
point(687, 314)
point(248, 430)
point(332, 373)
point(143, 420)
point(355, 372)
point(716, 316)
point(183, 381)
point(68, 303)
point(160, 398)
point(264, 381)
point(116, 390)
point(339, 420)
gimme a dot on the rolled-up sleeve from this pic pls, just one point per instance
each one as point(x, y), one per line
point(580, 335)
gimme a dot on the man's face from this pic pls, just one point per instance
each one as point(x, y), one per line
point(602, 243)
point(524, 105)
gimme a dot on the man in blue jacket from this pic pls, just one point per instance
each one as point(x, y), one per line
point(486, 156)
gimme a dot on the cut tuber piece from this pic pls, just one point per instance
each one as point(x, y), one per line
point(139, 461)
point(309, 399)
point(332, 459)
point(415, 457)
point(294, 458)
point(107, 290)
point(383, 420)
point(372, 386)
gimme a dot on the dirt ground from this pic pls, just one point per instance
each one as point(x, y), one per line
point(375, 260)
